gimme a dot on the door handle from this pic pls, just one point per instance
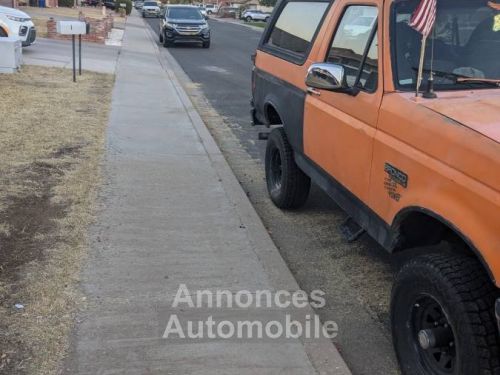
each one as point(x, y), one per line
point(313, 91)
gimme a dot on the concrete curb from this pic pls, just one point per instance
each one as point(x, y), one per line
point(323, 355)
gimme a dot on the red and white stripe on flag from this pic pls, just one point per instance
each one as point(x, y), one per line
point(424, 17)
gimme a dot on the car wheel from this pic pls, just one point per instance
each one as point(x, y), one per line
point(166, 43)
point(160, 36)
point(442, 317)
point(248, 19)
point(287, 185)
point(209, 13)
point(206, 44)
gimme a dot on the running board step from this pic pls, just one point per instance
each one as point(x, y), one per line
point(351, 230)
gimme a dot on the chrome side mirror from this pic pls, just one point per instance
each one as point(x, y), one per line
point(326, 77)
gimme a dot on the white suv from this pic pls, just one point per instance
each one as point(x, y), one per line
point(211, 8)
point(255, 15)
point(19, 24)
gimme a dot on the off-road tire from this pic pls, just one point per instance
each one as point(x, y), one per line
point(287, 185)
point(466, 296)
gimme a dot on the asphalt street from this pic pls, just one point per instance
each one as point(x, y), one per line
point(356, 277)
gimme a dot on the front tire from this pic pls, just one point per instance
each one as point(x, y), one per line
point(287, 185)
point(442, 317)
point(166, 43)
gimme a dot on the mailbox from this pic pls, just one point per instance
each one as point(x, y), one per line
point(72, 27)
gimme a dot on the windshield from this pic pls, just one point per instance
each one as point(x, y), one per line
point(185, 14)
point(363, 21)
point(150, 4)
point(465, 41)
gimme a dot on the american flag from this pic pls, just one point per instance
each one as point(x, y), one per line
point(424, 17)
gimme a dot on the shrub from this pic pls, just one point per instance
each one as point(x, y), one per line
point(128, 7)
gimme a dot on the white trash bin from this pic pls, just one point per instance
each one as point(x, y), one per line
point(11, 52)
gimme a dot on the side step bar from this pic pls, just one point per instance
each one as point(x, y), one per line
point(351, 230)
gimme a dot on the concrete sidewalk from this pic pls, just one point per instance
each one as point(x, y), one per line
point(173, 213)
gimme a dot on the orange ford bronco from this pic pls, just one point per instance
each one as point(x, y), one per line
point(336, 82)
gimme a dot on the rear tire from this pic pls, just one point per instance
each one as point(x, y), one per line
point(443, 319)
point(287, 185)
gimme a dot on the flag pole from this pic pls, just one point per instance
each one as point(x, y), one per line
point(421, 65)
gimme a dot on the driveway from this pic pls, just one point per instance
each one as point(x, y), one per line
point(58, 53)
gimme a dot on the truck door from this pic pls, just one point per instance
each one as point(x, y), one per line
point(339, 127)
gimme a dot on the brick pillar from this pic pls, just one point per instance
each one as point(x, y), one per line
point(51, 28)
point(99, 29)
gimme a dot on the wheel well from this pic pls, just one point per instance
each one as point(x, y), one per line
point(3, 32)
point(419, 229)
point(272, 115)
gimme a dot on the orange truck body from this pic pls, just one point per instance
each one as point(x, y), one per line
point(448, 147)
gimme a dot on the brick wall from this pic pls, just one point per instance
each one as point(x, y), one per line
point(99, 29)
point(8, 3)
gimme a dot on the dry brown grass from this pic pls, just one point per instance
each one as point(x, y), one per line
point(40, 16)
point(51, 142)
point(63, 12)
point(41, 26)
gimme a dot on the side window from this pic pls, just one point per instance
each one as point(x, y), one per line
point(296, 26)
point(355, 46)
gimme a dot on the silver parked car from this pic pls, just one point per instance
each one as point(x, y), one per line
point(150, 9)
point(255, 15)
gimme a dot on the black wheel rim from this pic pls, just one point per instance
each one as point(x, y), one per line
point(434, 337)
point(276, 170)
